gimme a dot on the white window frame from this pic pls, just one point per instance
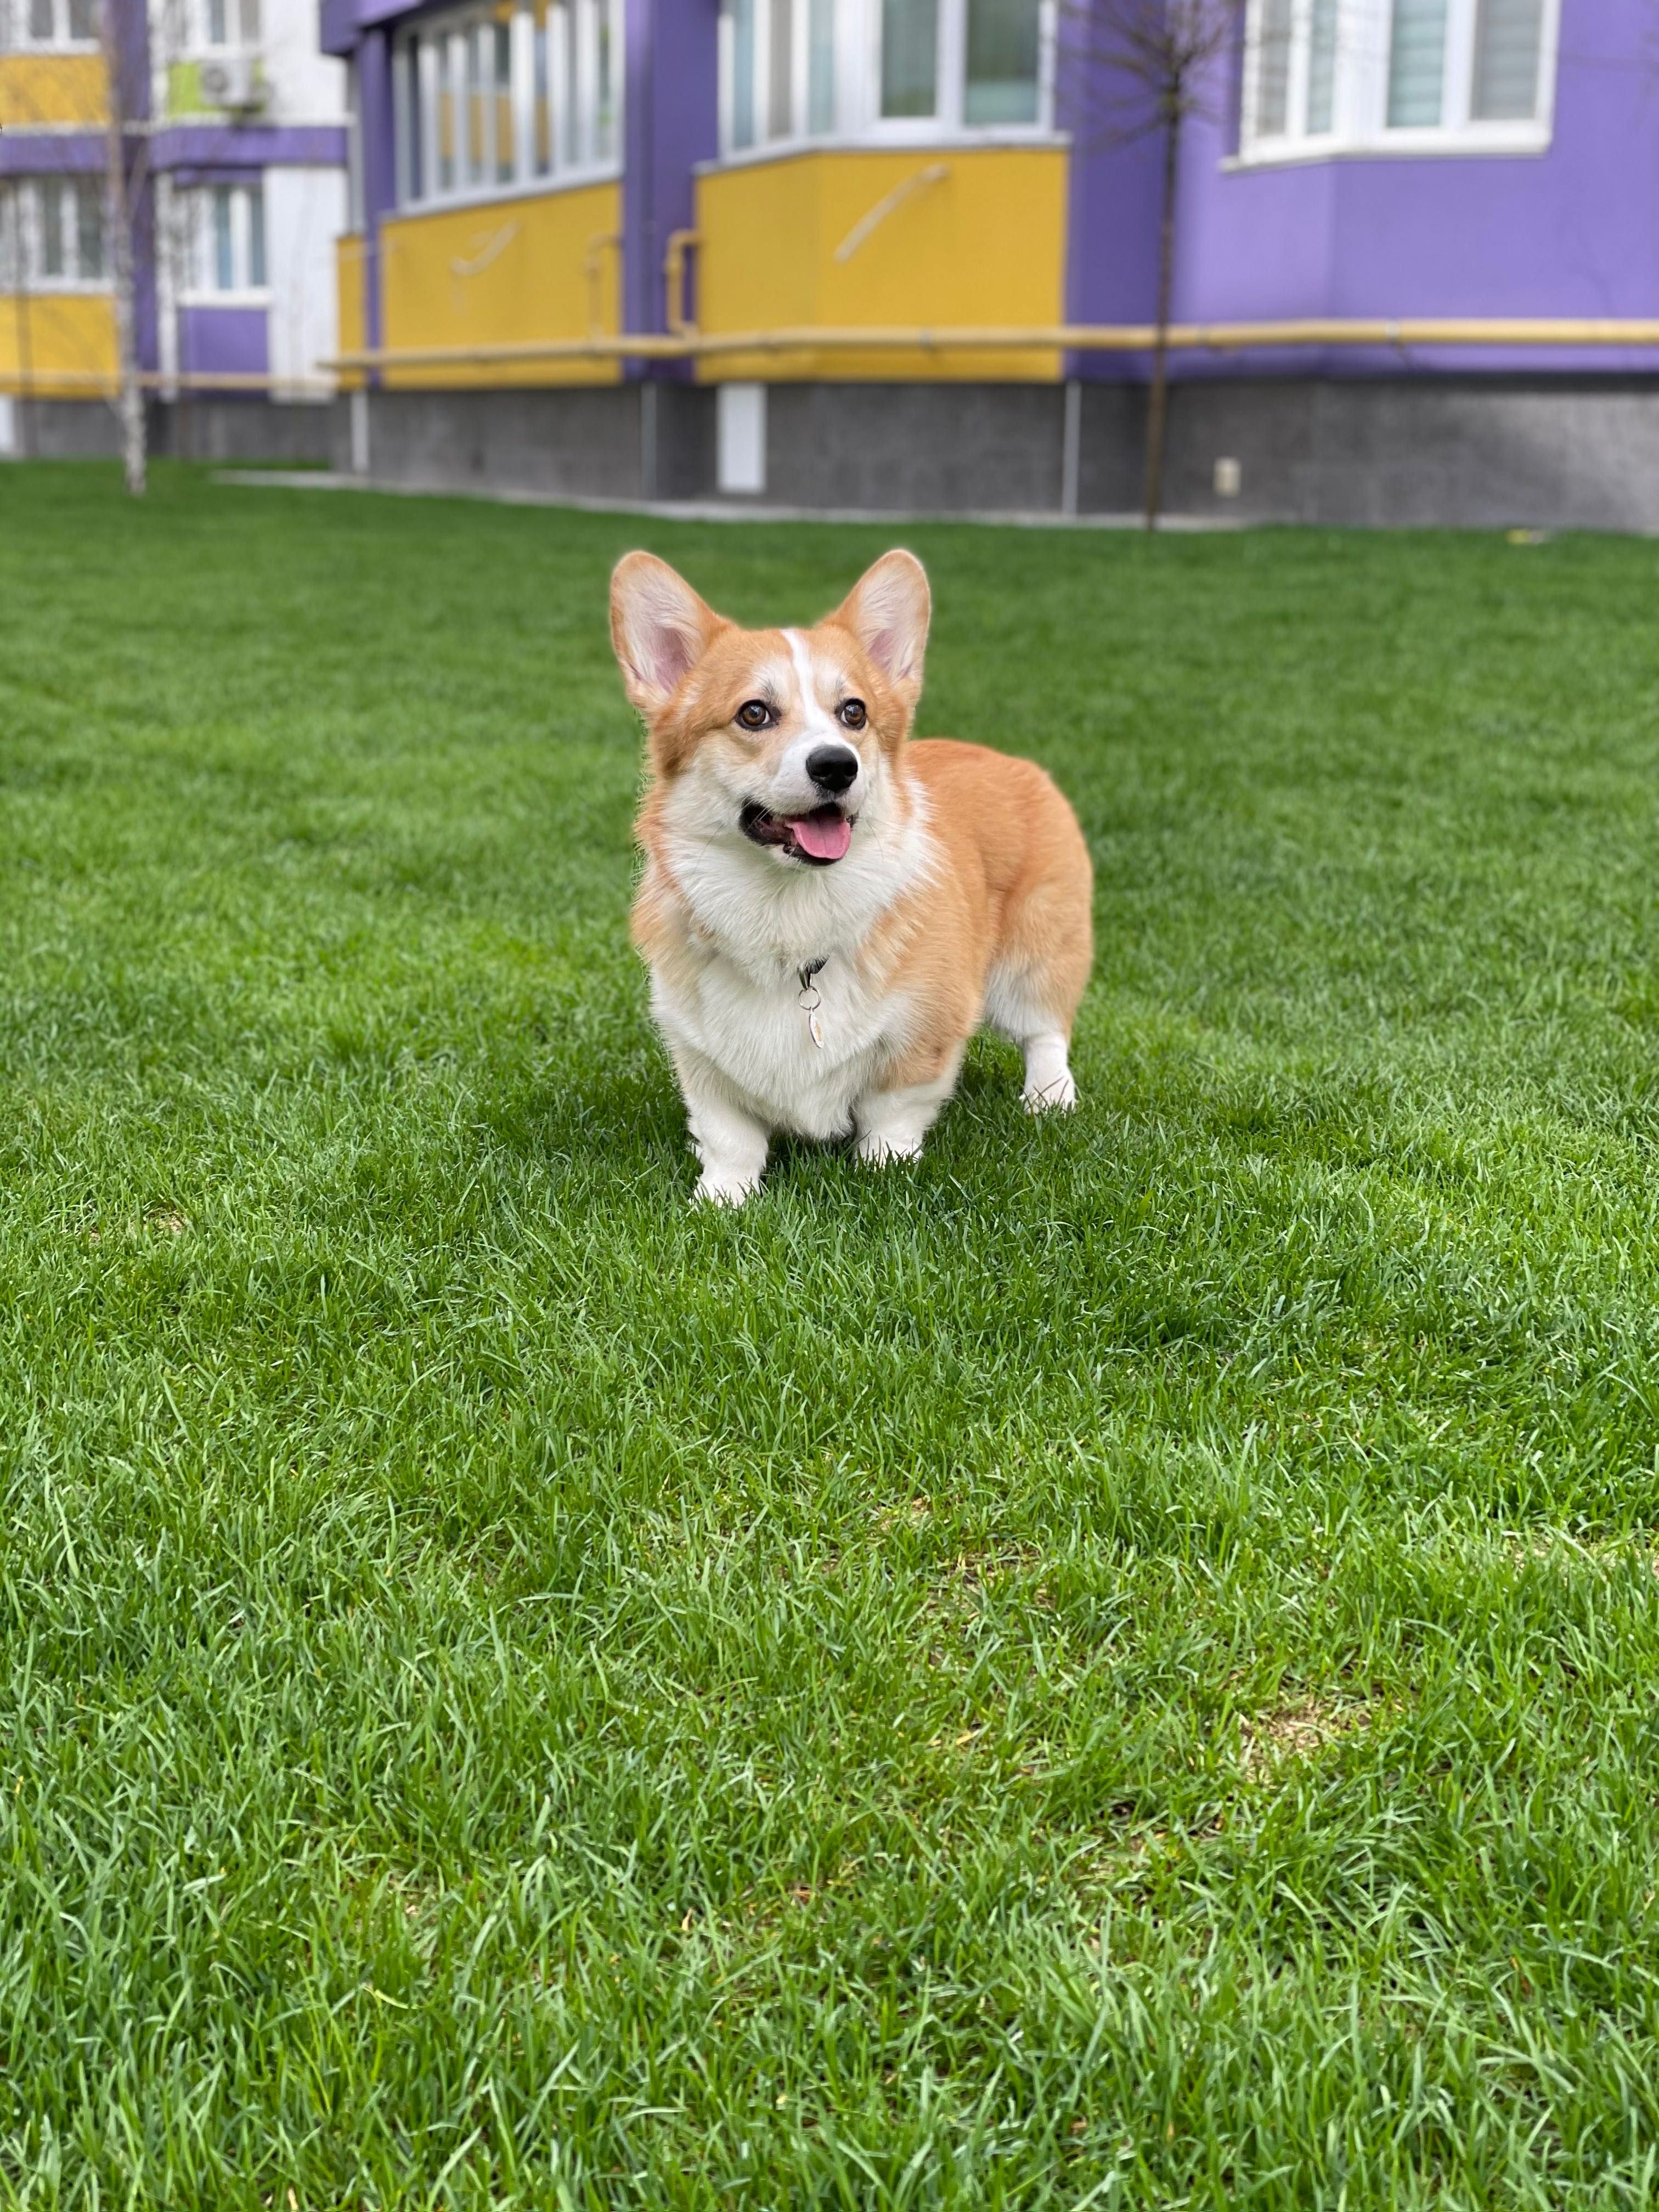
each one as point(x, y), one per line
point(858, 120)
point(1360, 104)
point(572, 28)
point(23, 202)
point(201, 288)
point(15, 35)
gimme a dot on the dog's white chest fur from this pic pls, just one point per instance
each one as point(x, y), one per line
point(757, 1030)
point(735, 998)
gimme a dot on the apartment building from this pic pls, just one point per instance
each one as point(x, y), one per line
point(234, 128)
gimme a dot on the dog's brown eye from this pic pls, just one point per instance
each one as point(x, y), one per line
point(852, 714)
point(754, 715)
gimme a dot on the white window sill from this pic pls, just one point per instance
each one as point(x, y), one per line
point(260, 299)
point(479, 196)
point(1493, 141)
point(84, 288)
point(923, 138)
point(29, 49)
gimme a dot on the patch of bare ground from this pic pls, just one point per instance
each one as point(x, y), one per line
point(1266, 1740)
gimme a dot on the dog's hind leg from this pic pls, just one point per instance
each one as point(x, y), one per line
point(1032, 992)
point(1048, 1080)
point(1014, 1009)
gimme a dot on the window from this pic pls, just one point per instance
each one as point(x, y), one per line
point(50, 23)
point(882, 68)
point(52, 234)
point(227, 231)
point(1407, 75)
point(233, 23)
point(505, 97)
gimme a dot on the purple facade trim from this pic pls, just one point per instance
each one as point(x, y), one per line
point(51, 153)
point(224, 341)
point(343, 22)
point(671, 124)
point(336, 28)
point(133, 76)
point(374, 65)
point(195, 150)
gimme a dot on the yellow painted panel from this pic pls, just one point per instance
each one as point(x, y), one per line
point(50, 88)
point(508, 272)
point(983, 243)
point(57, 346)
point(348, 280)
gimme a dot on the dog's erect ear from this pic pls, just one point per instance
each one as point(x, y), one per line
point(660, 629)
point(887, 611)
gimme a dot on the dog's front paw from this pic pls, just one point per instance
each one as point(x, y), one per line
point(1058, 1095)
point(714, 1188)
point(876, 1147)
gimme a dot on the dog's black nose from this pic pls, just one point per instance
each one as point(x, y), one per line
point(832, 768)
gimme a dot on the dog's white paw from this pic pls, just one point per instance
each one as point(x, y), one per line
point(876, 1148)
point(1057, 1095)
point(715, 1190)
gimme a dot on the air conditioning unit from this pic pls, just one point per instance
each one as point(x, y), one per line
point(232, 80)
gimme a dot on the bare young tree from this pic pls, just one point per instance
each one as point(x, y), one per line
point(122, 192)
point(14, 277)
point(1145, 68)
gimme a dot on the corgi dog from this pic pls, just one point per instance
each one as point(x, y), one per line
point(830, 907)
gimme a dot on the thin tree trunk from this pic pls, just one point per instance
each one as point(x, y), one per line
point(1159, 401)
point(130, 399)
point(25, 342)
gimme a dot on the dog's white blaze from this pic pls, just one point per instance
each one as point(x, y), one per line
point(819, 723)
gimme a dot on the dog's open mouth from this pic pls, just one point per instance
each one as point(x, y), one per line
point(821, 837)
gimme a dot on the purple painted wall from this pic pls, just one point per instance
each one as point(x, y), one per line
point(1114, 195)
point(1571, 232)
point(671, 122)
point(379, 166)
point(224, 341)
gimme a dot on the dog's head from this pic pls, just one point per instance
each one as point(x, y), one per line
point(783, 737)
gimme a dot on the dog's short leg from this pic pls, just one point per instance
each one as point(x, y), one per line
point(729, 1141)
point(1049, 1081)
point(891, 1124)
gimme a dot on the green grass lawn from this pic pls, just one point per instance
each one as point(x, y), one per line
point(1117, 1666)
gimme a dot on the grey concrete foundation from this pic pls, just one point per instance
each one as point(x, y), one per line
point(586, 443)
point(1558, 452)
point(203, 429)
point(1471, 453)
point(1553, 452)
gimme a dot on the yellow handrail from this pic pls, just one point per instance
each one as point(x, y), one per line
point(104, 384)
point(690, 344)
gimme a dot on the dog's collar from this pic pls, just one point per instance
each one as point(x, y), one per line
point(810, 997)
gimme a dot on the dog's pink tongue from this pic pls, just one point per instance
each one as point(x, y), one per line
point(825, 836)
